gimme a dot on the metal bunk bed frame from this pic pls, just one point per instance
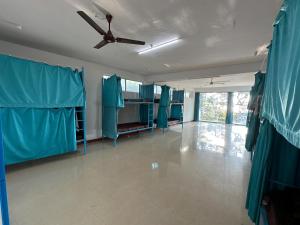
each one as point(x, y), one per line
point(143, 100)
point(3, 194)
point(80, 113)
point(177, 102)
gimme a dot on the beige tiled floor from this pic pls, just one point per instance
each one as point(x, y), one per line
point(195, 176)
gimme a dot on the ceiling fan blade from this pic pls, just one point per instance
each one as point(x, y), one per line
point(101, 44)
point(91, 22)
point(130, 41)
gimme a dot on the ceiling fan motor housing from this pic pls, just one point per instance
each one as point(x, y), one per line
point(109, 37)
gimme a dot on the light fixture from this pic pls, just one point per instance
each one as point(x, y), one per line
point(155, 47)
point(167, 65)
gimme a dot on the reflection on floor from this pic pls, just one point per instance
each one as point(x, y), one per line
point(195, 176)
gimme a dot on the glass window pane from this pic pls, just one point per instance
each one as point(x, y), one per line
point(240, 111)
point(213, 107)
point(123, 84)
point(132, 86)
point(157, 89)
point(187, 94)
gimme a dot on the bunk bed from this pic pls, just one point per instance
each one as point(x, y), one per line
point(163, 108)
point(275, 168)
point(113, 101)
point(176, 108)
point(39, 103)
point(4, 218)
point(170, 112)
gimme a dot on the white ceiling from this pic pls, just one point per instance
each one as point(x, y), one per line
point(212, 31)
point(235, 82)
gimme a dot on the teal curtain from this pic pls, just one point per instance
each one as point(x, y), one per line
point(25, 83)
point(112, 95)
point(277, 157)
point(147, 94)
point(176, 112)
point(178, 96)
point(259, 172)
point(254, 107)
point(197, 107)
point(162, 115)
point(281, 101)
point(112, 100)
point(276, 165)
point(38, 102)
point(31, 133)
point(229, 113)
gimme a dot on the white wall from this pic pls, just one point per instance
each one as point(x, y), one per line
point(224, 89)
point(93, 73)
point(189, 105)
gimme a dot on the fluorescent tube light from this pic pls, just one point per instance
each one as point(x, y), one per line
point(155, 47)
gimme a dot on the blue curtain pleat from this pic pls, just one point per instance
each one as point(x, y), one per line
point(276, 162)
point(25, 83)
point(176, 112)
point(38, 104)
point(281, 101)
point(30, 133)
point(162, 115)
point(197, 107)
point(147, 94)
point(229, 113)
point(254, 107)
point(112, 100)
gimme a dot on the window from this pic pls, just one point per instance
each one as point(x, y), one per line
point(157, 89)
point(240, 111)
point(123, 84)
point(129, 85)
point(133, 86)
point(171, 94)
point(187, 94)
point(213, 107)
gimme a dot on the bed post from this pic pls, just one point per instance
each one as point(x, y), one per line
point(3, 193)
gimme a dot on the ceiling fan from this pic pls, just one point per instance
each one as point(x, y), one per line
point(212, 82)
point(108, 37)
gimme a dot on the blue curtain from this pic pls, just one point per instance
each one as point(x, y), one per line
point(276, 162)
point(112, 95)
point(197, 107)
point(229, 114)
point(25, 83)
point(281, 101)
point(112, 100)
point(254, 106)
point(162, 115)
point(3, 194)
point(176, 112)
point(147, 94)
point(31, 133)
point(178, 96)
point(38, 103)
point(276, 165)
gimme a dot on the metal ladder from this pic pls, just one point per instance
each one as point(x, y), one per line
point(151, 115)
point(80, 114)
